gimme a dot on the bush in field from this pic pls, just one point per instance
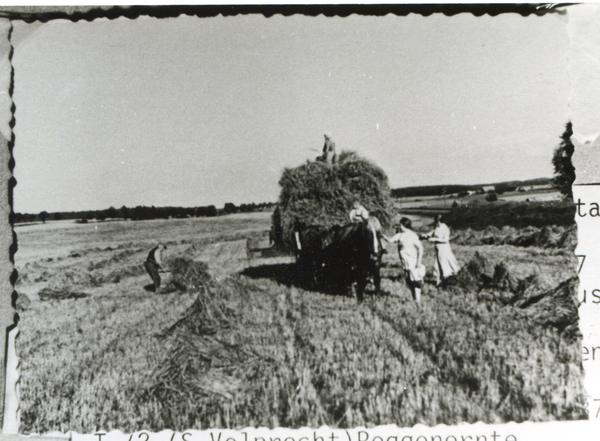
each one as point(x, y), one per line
point(317, 193)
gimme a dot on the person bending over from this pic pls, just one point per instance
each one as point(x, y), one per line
point(154, 264)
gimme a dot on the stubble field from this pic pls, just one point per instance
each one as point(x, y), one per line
point(249, 344)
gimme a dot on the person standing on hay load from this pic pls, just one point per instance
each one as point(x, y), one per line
point(154, 264)
point(361, 214)
point(329, 156)
point(445, 264)
point(410, 251)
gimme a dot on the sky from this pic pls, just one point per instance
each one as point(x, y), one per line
point(202, 111)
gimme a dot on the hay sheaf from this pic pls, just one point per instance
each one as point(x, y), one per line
point(187, 274)
point(66, 285)
point(317, 193)
point(201, 360)
point(499, 284)
point(556, 307)
point(474, 275)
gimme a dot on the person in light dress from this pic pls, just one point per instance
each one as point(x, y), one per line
point(410, 251)
point(445, 264)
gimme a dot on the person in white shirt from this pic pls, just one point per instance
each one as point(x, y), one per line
point(410, 251)
point(361, 214)
point(445, 263)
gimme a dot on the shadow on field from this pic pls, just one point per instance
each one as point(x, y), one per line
point(284, 273)
point(290, 274)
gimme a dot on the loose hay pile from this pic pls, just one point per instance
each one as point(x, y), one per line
point(480, 273)
point(63, 293)
point(317, 193)
point(119, 274)
point(556, 307)
point(187, 274)
point(201, 362)
point(66, 285)
point(474, 275)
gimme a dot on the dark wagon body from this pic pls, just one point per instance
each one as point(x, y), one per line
point(339, 257)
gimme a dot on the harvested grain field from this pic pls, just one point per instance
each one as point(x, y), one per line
point(238, 342)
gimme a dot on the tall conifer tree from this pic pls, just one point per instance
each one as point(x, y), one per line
point(564, 172)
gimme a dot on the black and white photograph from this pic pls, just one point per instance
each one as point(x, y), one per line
point(294, 221)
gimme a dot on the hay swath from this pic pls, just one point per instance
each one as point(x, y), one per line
point(263, 249)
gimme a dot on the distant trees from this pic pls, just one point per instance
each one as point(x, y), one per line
point(564, 172)
point(124, 213)
point(209, 211)
point(144, 213)
point(25, 218)
point(112, 213)
point(492, 196)
point(229, 208)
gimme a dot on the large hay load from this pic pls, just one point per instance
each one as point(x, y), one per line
point(321, 194)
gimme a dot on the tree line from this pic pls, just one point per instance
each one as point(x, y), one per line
point(142, 213)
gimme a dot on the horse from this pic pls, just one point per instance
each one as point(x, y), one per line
point(340, 257)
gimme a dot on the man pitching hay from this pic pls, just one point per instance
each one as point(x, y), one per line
point(328, 156)
point(154, 264)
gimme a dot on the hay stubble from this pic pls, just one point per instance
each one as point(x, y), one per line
point(246, 351)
